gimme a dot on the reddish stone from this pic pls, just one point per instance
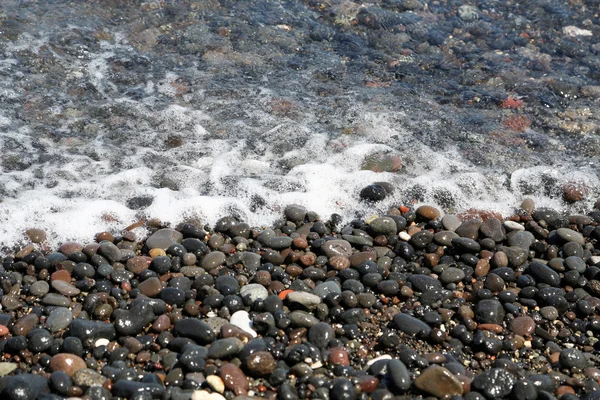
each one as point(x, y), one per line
point(138, 264)
point(25, 324)
point(367, 383)
point(66, 362)
point(428, 212)
point(61, 275)
point(339, 356)
point(234, 379)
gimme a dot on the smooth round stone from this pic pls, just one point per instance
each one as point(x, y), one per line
point(492, 228)
point(216, 383)
point(338, 356)
point(522, 239)
point(7, 367)
point(85, 329)
point(398, 375)
point(516, 256)
point(151, 287)
point(524, 390)
point(466, 245)
point(110, 251)
point(439, 382)
point(522, 326)
point(569, 235)
point(173, 296)
point(373, 193)
point(278, 242)
point(513, 226)
point(489, 311)
point(234, 379)
point(138, 264)
point(383, 226)
point(422, 283)
point(88, 378)
point(387, 288)
point(60, 318)
point(194, 358)
point(131, 322)
point(452, 275)
point(421, 239)
point(544, 274)
point(494, 383)
point(549, 313)
point(260, 363)
point(411, 325)
point(163, 238)
point(10, 303)
point(127, 389)
point(194, 329)
point(212, 260)
point(66, 362)
point(295, 213)
point(444, 238)
point(36, 235)
point(308, 300)
point(450, 222)
point(24, 387)
point(253, 292)
point(54, 299)
point(65, 288)
point(225, 348)
point(323, 289)
point(575, 263)
point(25, 324)
point(428, 212)
point(39, 288)
point(70, 247)
point(342, 389)
point(572, 358)
point(242, 320)
point(337, 247)
point(320, 334)
point(303, 319)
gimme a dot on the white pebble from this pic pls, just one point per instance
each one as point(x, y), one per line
point(101, 342)
point(241, 319)
point(383, 357)
point(404, 236)
point(216, 383)
point(513, 226)
point(205, 395)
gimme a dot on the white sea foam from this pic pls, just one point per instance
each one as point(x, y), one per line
point(236, 158)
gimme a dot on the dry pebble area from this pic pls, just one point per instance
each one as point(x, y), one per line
point(407, 304)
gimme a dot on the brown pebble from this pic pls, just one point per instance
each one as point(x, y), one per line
point(528, 205)
point(358, 258)
point(260, 363)
point(428, 212)
point(24, 251)
point(156, 253)
point(339, 263)
point(574, 192)
point(338, 356)
point(308, 259)
point(522, 326)
point(368, 384)
point(482, 268)
point(435, 358)
point(25, 324)
point(150, 287)
point(490, 327)
point(439, 382)
point(234, 379)
point(138, 264)
point(36, 235)
point(61, 275)
point(564, 389)
point(102, 236)
point(70, 247)
point(293, 270)
point(300, 243)
point(229, 330)
point(161, 323)
point(262, 278)
point(66, 362)
point(500, 260)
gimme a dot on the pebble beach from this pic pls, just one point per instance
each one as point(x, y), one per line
point(335, 200)
point(403, 305)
